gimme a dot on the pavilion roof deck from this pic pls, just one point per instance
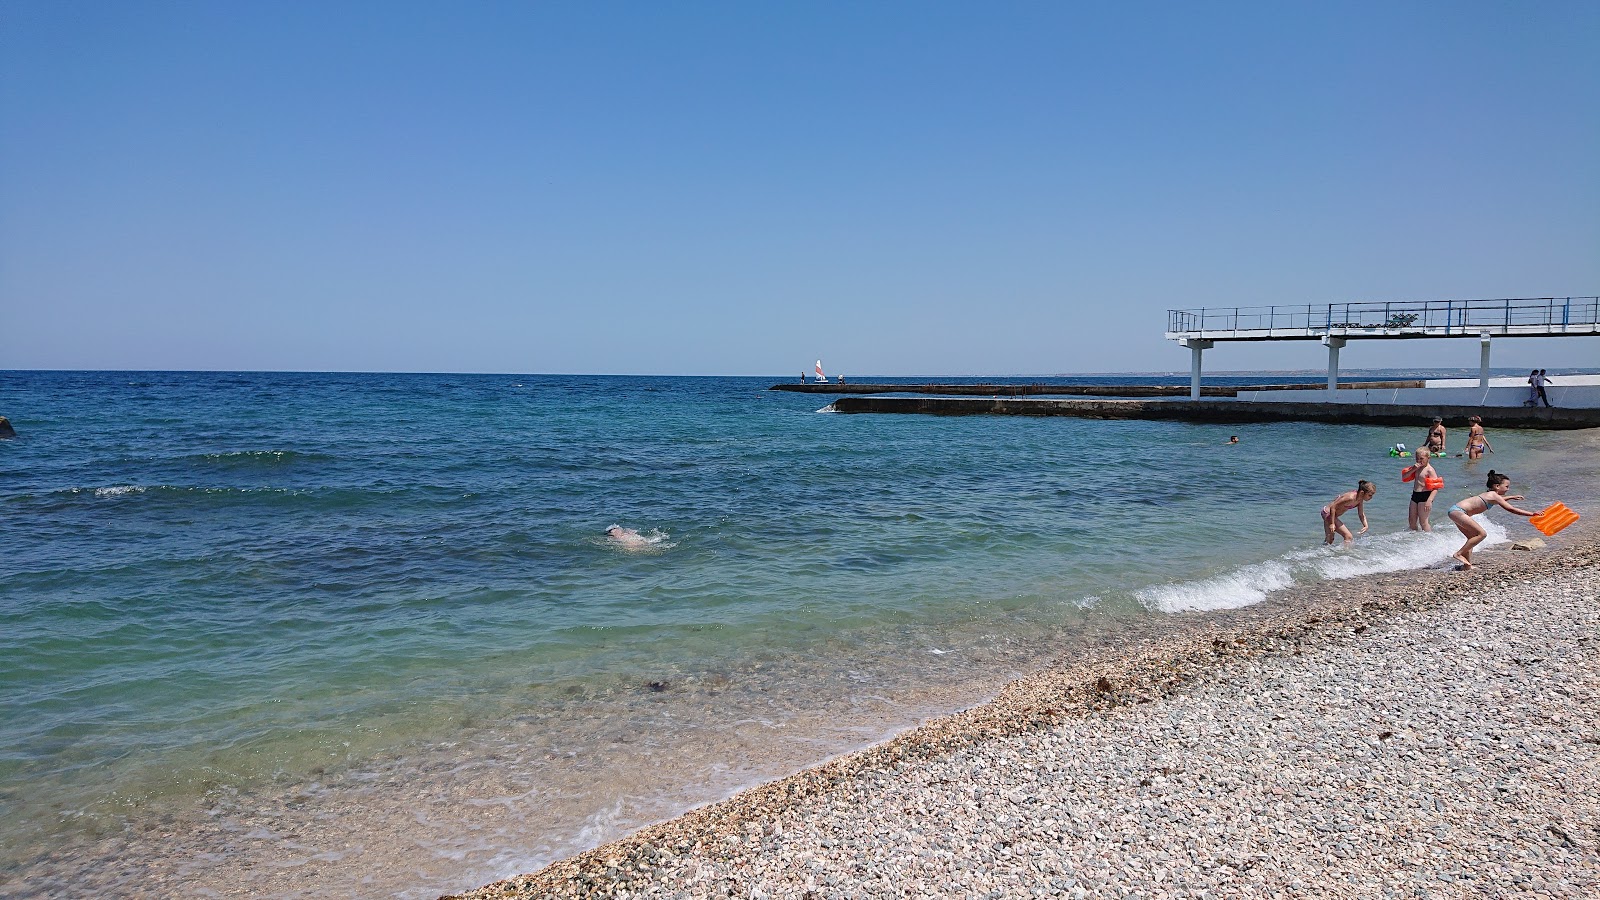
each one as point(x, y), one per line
point(1519, 317)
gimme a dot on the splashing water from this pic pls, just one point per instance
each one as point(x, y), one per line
point(1370, 555)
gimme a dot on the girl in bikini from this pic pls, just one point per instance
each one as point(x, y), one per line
point(1477, 505)
point(1356, 500)
point(1477, 441)
point(1421, 506)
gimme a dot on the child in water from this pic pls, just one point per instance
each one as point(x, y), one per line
point(1477, 505)
point(1356, 499)
point(1421, 505)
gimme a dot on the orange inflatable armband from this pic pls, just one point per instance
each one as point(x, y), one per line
point(1406, 474)
point(1555, 517)
point(1432, 484)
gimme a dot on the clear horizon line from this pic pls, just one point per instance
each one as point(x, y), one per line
point(1147, 372)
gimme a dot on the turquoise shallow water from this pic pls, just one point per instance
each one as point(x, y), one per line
point(218, 590)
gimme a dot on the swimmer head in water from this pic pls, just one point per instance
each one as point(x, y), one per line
point(626, 536)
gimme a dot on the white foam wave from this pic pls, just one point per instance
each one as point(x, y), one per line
point(1245, 585)
point(828, 409)
point(118, 491)
point(1239, 587)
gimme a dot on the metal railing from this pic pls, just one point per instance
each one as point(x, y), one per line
point(1446, 317)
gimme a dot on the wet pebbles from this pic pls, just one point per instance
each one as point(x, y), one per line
point(1426, 734)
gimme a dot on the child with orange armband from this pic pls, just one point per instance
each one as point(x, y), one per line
point(1422, 473)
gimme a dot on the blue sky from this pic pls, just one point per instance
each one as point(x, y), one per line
point(740, 188)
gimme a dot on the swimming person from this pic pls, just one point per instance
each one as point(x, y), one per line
point(1435, 440)
point(1477, 441)
point(1356, 500)
point(1234, 439)
point(1421, 505)
point(1477, 505)
point(627, 537)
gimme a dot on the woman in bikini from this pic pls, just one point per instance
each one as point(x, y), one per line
point(1356, 500)
point(1477, 441)
point(1477, 505)
point(1421, 506)
point(1436, 438)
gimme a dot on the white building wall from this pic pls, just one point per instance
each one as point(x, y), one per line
point(1571, 391)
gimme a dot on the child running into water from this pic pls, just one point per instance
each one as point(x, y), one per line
point(1421, 505)
point(1477, 505)
point(1356, 499)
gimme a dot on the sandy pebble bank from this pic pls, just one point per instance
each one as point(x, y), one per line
point(1422, 734)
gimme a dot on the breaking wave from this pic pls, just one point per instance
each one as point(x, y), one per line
point(1371, 555)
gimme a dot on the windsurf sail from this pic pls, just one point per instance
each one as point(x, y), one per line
point(820, 376)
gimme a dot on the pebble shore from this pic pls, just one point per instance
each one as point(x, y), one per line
point(1422, 734)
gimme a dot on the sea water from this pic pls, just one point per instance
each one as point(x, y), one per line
point(363, 634)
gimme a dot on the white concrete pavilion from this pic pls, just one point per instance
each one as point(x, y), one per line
point(1335, 324)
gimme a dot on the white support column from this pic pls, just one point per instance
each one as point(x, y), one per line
point(1483, 360)
point(1335, 344)
point(1196, 347)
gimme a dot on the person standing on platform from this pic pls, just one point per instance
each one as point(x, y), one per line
point(1540, 379)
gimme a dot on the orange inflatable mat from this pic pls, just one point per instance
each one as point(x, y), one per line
point(1555, 517)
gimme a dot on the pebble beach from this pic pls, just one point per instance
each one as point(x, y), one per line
point(1417, 734)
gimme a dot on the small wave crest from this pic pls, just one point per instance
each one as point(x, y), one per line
point(1371, 555)
point(256, 457)
point(828, 409)
point(161, 490)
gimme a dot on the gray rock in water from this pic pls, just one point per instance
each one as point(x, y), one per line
point(6, 431)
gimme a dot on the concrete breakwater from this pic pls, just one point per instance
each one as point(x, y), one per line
point(1229, 411)
point(1075, 390)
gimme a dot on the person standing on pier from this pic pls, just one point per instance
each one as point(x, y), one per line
point(1539, 379)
